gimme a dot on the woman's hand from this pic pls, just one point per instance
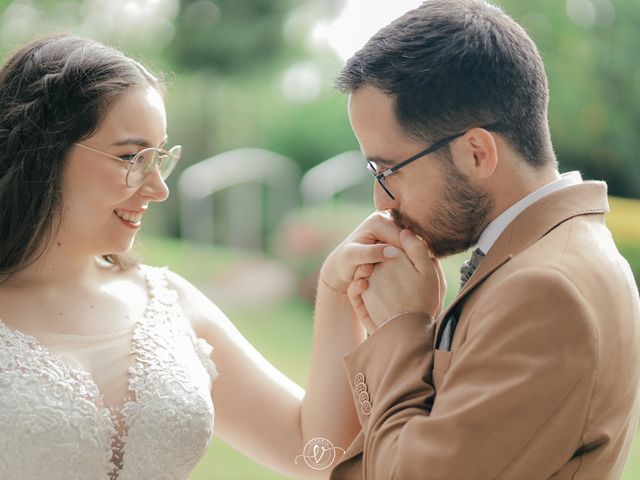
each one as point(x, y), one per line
point(376, 239)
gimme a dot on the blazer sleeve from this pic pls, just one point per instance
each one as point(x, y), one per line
point(512, 405)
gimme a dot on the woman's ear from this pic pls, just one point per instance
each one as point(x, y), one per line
point(475, 154)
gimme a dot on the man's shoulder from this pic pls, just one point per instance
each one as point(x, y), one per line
point(582, 249)
point(574, 271)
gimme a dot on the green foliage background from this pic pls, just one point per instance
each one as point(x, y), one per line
point(224, 62)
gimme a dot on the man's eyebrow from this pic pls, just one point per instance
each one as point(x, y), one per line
point(137, 141)
point(383, 162)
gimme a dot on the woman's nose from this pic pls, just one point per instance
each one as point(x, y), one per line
point(154, 187)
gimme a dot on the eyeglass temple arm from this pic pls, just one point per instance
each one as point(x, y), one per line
point(103, 153)
point(431, 149)
point(424, 152)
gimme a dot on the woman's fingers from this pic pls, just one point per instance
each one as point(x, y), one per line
point(442, 281)
point(339, 269)
point(360, 253)
point(357, 254)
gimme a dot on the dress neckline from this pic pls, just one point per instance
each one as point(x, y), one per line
point(117, 414)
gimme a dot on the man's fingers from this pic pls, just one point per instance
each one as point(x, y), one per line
point(380, 227)
point(354, 292)
point(442, 281)
point(359, 286)
point(364, 271)
point(364, 317)
point(416, 250)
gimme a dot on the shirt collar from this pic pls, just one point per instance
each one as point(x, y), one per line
point(502, 221)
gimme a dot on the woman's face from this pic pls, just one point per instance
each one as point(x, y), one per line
point(101, 214)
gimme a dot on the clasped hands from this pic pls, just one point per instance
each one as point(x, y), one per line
point(385, 271)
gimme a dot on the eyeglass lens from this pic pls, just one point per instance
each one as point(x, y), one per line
point(381, 181)
point(147, 160)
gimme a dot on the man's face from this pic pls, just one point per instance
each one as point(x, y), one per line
point(433, 198)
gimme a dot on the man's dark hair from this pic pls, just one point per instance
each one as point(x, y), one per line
point(455, 64)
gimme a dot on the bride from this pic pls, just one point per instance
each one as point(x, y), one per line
point(110, 369)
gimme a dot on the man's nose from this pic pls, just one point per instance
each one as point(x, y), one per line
point(382, 200)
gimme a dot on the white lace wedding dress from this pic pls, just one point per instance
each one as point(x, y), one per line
point(144, 411)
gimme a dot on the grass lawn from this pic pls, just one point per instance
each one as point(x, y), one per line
point(282, 331)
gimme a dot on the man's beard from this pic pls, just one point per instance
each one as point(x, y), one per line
point(456, 221)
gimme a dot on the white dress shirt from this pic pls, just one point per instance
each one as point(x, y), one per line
point(490, 234)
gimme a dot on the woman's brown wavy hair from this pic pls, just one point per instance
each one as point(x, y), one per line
point(54, 92)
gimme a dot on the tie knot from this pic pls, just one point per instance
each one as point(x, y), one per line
point(470, 266)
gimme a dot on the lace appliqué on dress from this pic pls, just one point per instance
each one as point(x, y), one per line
point(53, 423)
point(50, 425)
point(203, 349)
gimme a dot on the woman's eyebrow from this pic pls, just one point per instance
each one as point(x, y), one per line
point(137, 141)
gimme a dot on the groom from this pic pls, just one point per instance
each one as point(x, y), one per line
point(533, 371)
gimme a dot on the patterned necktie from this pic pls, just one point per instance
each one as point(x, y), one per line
point(451, 321)
point(470, 266)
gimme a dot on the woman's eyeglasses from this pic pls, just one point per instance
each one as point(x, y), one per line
point(144, 162)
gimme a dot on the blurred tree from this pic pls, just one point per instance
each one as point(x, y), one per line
point(591, 51)
point(250, 73)
point(228, 36)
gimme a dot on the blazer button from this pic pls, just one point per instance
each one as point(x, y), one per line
point(361, 388)
point(359, 378)
point(366, 408)
point(364, 397)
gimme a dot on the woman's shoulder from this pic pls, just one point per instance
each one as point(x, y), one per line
point(153, 274)
point(197, 307)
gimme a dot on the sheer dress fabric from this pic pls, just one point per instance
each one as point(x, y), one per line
point(129, 405)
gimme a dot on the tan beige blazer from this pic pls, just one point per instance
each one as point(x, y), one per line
point(542, 378)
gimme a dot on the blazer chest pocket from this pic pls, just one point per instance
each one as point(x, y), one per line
point(441, 364)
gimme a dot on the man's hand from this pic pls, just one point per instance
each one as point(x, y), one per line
point(413, 281)
point(375, 240)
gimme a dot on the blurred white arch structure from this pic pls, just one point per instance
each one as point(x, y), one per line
point(344, 173)
point(237, 178)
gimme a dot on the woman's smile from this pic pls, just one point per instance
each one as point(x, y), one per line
point(130, 218)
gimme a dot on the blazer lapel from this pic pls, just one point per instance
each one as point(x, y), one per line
point(484, 270)
point(530, 226)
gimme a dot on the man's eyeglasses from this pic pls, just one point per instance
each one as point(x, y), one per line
point(381, 176)
point(142, 163)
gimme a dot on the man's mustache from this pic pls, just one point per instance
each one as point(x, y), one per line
point(402, 221)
